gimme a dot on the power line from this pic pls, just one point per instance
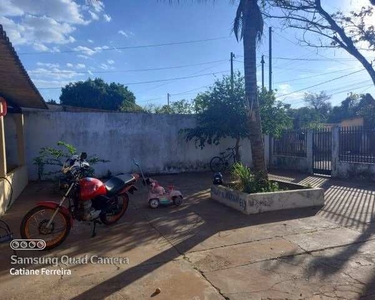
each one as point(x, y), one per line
point(192, 74)
point(127, 47)
point(176, 94)
point(313, 76)
point(356, 87)
point(294, 43)
point(312, 59)
point(152, 81)
point(122, 71)
point(322, 83)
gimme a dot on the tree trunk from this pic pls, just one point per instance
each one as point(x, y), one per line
point(237, 149)
point(252, 103)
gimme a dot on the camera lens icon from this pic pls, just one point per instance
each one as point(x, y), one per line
point(28, 244)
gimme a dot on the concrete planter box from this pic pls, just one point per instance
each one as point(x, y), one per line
point(262, 202)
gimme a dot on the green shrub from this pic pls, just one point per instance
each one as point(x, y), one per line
point(55, 157)
point(248, 182)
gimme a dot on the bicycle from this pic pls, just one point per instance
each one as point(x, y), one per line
point(220, 163)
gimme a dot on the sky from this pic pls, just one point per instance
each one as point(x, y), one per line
point(188, 48)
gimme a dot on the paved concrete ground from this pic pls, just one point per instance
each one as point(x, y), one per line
point(204, 250)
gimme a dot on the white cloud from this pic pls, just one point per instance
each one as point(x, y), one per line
point(8, 9)
point(48, 65)
point(85, 50)
point(104, 66)
point(122, 32)
point(90, 41)
point(50, 21)
point(67, 11)
point(77, 66)
point(93, 15)
point(285, 93)
point(41, 83)
point(98, 6)
point(53, 73)
point(32, 30)
point(110, 61)
point(83, 56)
point(40, 47)
point(107, 18)
point(80, 66)
point(100, 48)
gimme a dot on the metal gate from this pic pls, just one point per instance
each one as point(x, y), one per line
point(322, 151)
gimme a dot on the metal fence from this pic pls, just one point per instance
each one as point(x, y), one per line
point(291, 143)
point(357, 144)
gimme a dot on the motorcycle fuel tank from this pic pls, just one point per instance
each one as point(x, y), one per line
point(91, 188)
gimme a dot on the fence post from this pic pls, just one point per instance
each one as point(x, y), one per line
point(270, 141)
point(309, 150)
point(335, 149)
point(266, 148)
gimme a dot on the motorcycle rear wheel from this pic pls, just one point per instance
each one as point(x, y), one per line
point(32, 228)
point(111, 218)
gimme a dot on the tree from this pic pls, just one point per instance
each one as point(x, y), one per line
point(355, 106)
point(248, 26)
point(51, 101)
point(221, 113)
point(337, 30)
point(320, 103)
point(97, 94)
point(305, 118)
point(177, 107)
point(274, 114)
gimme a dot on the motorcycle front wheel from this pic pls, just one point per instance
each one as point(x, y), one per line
point(34, 226)
point(117, 210)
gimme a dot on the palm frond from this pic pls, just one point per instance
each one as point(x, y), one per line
point(238, 25)
point(243, 19)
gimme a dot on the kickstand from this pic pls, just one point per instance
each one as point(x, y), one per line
point(94, 228)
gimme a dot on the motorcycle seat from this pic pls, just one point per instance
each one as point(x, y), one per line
point(116, 184)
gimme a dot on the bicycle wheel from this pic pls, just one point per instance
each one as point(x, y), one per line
point(217, 164)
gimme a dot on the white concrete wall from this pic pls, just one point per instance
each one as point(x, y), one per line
point(152, 139)
point(11, 141)
point(9, 193)
point(359, 171)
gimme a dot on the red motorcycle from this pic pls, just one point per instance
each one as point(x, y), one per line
point(90, 200)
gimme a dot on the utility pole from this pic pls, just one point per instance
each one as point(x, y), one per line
point(231, 69)
point(270, 56)
point(262, 62)
point(168, 98)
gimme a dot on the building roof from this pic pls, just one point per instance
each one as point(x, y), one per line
point(15, 84)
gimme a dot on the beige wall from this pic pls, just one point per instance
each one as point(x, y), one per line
point(352, 122)
point(18, 178)
point(14, 152)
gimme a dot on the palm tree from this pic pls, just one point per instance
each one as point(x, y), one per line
point(248, 26)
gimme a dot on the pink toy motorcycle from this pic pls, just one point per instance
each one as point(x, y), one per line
point(157, 195)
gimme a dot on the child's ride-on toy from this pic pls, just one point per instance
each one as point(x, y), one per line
point(157, 195)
